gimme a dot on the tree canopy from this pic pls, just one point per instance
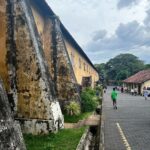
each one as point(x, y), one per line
point(121, 67)
point(147, 66)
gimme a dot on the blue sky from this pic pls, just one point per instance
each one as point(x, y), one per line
point(106, 28)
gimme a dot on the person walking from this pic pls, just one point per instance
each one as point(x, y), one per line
point(114, 98)
point(132, 91)
point(135, 91)
point(145, 93)
point(122, 89)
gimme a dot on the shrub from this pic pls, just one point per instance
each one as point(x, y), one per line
point(91, 91)
point(89, 100)
point(75, 119)
point(73, 108)
point(99, 88)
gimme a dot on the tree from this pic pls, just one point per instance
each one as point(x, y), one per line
point(147, 66)
point(101, 70)
point(121, 67)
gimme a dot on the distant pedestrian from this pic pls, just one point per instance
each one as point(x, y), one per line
point(122, 90)
point(104, 90)
point(135, 91)
point(145, 93)
point(132, 91)
point(114, 98)
point(97, 93)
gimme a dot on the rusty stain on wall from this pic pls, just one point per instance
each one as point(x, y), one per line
point(3, 50)
point(35, 65)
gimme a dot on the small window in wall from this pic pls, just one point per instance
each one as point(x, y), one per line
point(80, 64)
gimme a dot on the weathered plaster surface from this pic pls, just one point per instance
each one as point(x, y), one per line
point(78, 67)
point(35, 65)
point(10, 132)
point(56, 55)
point(66, 83)
point(3, 50)
point(32, 84)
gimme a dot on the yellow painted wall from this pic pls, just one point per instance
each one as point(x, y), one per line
point(79, 68)
point(44, 26)
point(3, 51)
point(31, 103)
point(145, 84)
point(39, 20)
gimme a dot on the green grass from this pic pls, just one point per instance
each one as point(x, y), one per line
point(75, 119)
point(66, 139)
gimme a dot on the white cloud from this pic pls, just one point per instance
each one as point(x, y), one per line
point(127, 3)
point(83, 17)
point(102, 29)
point(128, 38)
point(98, 35)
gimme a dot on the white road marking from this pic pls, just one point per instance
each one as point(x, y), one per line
point(123, 137)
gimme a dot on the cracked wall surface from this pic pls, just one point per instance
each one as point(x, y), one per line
point(36, 66)
point(30, 101)
point(10, 132)
point(67, 89)
point(3, 50)
point(56, 55)
point(32, 88)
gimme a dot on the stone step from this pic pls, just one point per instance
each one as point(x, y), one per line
point(93, 120)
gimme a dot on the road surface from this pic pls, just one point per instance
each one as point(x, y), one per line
point(128, 127)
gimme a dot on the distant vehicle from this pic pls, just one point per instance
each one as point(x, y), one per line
point(148, 91)
point(148, 88)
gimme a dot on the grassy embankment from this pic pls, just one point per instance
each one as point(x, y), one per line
point(66, 139)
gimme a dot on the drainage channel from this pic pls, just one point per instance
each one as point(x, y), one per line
point(91, 138)
point(95, 132)
point(94, 144)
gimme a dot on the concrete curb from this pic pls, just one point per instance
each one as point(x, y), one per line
point(101, 147)
point(82, 141)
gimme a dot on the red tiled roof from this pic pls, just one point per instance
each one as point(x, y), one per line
point(139, 77)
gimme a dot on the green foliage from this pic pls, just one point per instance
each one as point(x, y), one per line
point(102, 71)
point(121, 67)
point(99, 89)
point(75, 119)
point(89, 100)
point(147, 66)
point(73, 108)
point(67, 139)
point(101, 68)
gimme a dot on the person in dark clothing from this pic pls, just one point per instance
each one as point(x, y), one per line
point(122, 90)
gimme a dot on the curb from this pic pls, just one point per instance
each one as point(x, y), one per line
point(83, 140)
point(101, 147)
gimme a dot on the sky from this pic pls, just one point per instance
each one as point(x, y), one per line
point(106, 28)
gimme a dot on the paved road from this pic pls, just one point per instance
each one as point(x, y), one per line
point(127, 128)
